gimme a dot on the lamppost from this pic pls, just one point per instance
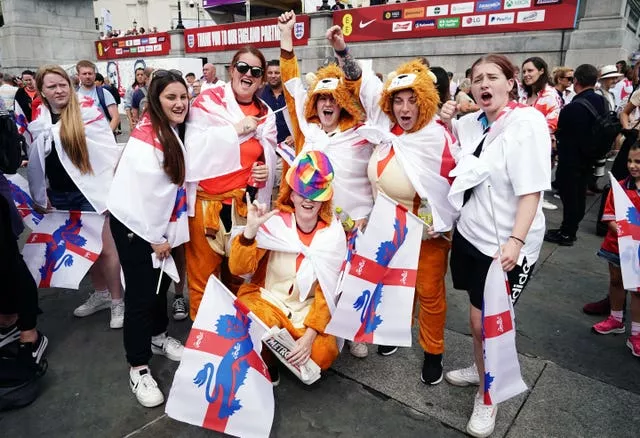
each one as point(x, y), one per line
point(179, 25)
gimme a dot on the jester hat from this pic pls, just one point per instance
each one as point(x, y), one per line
point(311, 177)
point(331, 80)
point(416, 76)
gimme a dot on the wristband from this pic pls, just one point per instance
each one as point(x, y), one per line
point(342, 53)
point(518, 239)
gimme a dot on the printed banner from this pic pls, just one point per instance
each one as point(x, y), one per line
point(454, 17)
point(19, 187)
point(62, 248)
point(628, 221)
point(156, 44)
point(222, 383)
point(377, 292)
point(258, 33)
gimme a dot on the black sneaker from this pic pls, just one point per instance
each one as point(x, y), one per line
point(9, 335)
point(556, 236)
point(274, 373)
point(386, 350)
point(32, 352)
point(431, 369)
point(179, 308)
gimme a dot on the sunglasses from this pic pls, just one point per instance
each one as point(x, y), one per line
point(161, 73)
point(243, 68)
point(569, 78)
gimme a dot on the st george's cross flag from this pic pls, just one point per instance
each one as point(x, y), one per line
point(62, 248)
point(628, 221)
point(377, 293)
point(222, 383)
point(502, 377)
point(20, 193)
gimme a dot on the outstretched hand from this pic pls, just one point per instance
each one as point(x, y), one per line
point(257, 214)
point(336, 38)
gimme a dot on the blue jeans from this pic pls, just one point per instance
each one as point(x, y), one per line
point(69, 201)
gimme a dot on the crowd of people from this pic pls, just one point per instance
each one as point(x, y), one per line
point(472, 161)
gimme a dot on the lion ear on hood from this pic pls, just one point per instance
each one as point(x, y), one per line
point(392, 75)
point(310, 78)
point(433, 77)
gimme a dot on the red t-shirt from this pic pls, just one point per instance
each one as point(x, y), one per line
point(610, 242)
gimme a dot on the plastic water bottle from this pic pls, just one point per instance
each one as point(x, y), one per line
point(345, 219)
point(424, 212)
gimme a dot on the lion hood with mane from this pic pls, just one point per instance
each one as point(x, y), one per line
point(331, 80)
point(416, 76)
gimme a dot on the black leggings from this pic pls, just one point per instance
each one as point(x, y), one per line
point(145, 313)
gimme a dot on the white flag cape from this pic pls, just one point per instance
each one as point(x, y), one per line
point(502, 377)
point(20, 193)
point(222, 383)
point(348, 152)
point(62, 248)
point(143, 197)
point(104, 154)
point(377, 293)
point(213, 146)
point(628, 221)
point(426, 156)
point(322, 261)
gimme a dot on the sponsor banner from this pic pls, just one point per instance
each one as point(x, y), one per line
point(157, 44)
point(434, 18)
point(258, 33)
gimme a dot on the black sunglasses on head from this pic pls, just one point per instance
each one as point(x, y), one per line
point(160, 73)
point(243, 68)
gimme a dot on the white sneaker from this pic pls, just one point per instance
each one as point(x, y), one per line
point(483, 418)
point(97, 301)
point(117, 315)
point(167, 346)
point(145, 388)
point(463, 377)
point(548, 205)
point(179, 308)
point(358, 349)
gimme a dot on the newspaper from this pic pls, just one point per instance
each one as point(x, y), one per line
point(281, 343)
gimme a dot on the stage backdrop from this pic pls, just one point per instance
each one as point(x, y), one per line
point(436, 18)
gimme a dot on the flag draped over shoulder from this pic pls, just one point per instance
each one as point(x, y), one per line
point(502, 377)
point(213, 145)
point(62, 248)
point(377, 292)
point(103, 150)
point(143, 197)
point(24, 204)
point(628, 221)
point(222, 383)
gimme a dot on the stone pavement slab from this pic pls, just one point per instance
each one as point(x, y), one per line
point(566, 404)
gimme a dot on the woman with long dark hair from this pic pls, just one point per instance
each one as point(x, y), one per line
point(147, 223)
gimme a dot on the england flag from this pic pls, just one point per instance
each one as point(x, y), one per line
point(20, 193)
point(628, 221)
point(502, 377)
point(62, 248)
point(222, 383)
point(377, 292)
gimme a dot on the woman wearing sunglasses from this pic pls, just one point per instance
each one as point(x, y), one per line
point(230, 142)
point(147, 223)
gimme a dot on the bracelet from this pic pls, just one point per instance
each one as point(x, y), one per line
point(518, 239)
point(342, 53)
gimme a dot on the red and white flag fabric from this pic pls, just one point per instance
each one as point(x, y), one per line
point(377, 293)
point(628, 221)
point(19, 187)
point(502, 377)
point(62, 248)
point(222, 383)
point(21, 122)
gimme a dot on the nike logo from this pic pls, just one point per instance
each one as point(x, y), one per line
point(363, 25)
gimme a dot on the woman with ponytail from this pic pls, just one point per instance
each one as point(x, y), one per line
point(72, 157)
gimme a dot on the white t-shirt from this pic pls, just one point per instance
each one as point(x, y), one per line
point(206, 85)
point(93, 94)
point(517, 155)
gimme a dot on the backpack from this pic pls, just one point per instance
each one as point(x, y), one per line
point(103, 102)
point(19, 384)
point(10, 145)
point(604, 130)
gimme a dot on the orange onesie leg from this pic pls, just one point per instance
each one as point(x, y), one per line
point(202, 260)
point(431, 294)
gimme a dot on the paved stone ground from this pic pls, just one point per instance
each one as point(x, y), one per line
point(581, 385)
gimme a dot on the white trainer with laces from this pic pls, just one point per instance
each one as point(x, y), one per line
point(359, 349)
point(97, 301)
point(483, 418)
point(167, 346)
point(145, 388)
point(464, 376)
point(117, 315)
point(548, 205)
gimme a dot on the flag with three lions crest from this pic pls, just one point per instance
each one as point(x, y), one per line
point(62, 247)
point(222, 383)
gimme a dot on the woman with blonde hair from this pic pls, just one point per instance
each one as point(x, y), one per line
point(71, 162)
point(464, 101)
